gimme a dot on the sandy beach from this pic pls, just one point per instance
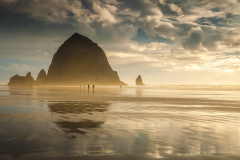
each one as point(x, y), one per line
point(163, 122)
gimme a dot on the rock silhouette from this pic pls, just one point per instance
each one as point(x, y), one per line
point(72, 108)
point(41, 76)
point(22, 80)
point(139, 81)
point(81, 61)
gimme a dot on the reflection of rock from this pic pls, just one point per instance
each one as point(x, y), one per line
point(75, 126)
point(139, 81)
point(71, 116)
point(138, 92)
point(41, 76)
point(81, 61)
point(22, 80)
point(78, 107)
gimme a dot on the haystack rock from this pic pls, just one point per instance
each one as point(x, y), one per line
point(80, 61)
point(41, 76)
point(22, 80)
point(139, 81)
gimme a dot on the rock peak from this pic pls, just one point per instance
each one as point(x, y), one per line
point(139, 81)
point(81, 61)
point(77, 35)
point(28, 74)
point(41, 76)
point(22, 80)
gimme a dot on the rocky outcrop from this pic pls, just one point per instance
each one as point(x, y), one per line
point(41, 76)
point(21, 80)
point(81, 61)
point(139, 81)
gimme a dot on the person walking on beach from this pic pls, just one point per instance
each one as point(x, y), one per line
point(93, 87)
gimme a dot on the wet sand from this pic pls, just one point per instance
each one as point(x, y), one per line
point(164, 122)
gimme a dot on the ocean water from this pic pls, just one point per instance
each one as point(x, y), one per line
point(153, 122)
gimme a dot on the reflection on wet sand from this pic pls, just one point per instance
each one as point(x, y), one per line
point(139, 92)
point(77, 116)
point(103, 126)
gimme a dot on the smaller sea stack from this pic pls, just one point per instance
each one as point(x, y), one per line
point(139, 81)
point(41, 76)
point(21, 80)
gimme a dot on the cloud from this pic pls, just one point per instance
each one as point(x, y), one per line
point(105, 14)
point(39, 50)
point(170, 10)
point(194, 39)
point(166, 29)
point(156, 34)
point(62, 11)
point(45, 53)
point(211, 38)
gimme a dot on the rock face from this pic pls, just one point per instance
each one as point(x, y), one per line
point(139, 81)
point(81, 61)
point(41, 76)
point(22, 80)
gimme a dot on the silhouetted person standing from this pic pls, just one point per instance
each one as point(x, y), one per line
point(93, 87)
point(88, 87)
point(120, 87)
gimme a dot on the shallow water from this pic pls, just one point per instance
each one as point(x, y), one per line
point(149, 122)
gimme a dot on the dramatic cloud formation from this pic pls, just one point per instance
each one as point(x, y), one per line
point(160, 39)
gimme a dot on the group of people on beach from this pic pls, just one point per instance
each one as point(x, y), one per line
point(93, 86)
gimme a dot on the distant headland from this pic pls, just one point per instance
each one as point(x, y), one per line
point(77, 61)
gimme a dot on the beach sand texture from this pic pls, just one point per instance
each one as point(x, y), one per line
point(152, 122)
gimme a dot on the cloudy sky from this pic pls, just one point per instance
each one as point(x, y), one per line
point(166, 41)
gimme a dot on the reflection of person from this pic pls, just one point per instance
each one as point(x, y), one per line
point(93, 87)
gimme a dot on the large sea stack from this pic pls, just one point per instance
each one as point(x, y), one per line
point(41, 76)
point(139, 81)
point(21, 80)
point(80, 61)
